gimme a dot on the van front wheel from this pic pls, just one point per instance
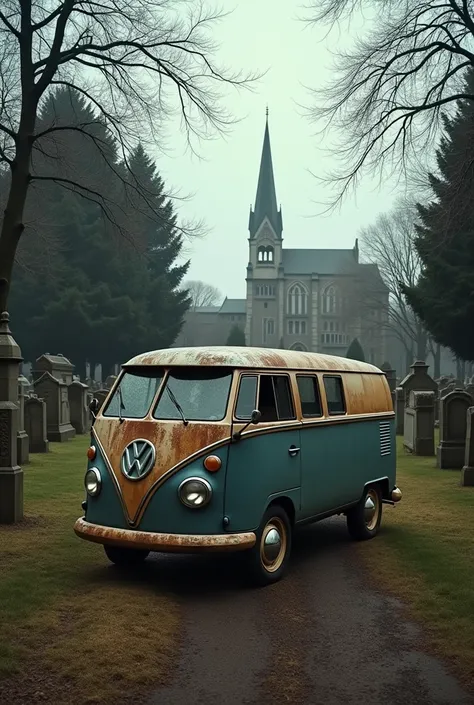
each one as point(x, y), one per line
point(268, 559)
point(363, 520)
point(125, 556)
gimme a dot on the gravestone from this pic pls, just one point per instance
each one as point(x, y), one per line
point(77, 393)
point(101, 395)
point(467, 473)
point(418, 380)
point(36, 424)
point(11, 474)
point(58, 366)
point(22, 436)
point(400, 410)
point(109, 382)
point(390, 374)
point(54, 392)
point(420, 423)
point(452, 429)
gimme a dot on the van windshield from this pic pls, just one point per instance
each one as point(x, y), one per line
point(201, 393)
point(133, 397)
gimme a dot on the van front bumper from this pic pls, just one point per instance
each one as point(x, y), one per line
point(171, 543)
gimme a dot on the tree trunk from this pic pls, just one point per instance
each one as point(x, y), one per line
point(421, 344)
point(12, 226)
point(408, 360)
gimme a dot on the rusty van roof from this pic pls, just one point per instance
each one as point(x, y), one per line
point(242, 357)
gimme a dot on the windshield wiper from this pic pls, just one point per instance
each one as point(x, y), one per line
point(121, 404)
point(177, 405)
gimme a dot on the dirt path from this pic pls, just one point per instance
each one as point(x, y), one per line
point(319, 637)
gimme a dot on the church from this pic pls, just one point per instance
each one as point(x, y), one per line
point(299, 299)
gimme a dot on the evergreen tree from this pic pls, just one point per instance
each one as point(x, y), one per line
point(113, 288)
point(444, 295)
point(236, 336)
point(355, 351)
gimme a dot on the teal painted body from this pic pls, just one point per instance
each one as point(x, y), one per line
point(260, 467)
point(105, 509)
point(330, 471)
point(337, 462)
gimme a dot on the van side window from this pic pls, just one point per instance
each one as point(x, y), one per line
point(275, 402)
point(247, 397)
point(308, 388)
point(334, 395)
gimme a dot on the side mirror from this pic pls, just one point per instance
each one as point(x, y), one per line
point(94, 407)
point(255, 417)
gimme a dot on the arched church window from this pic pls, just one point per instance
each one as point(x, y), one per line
point(297, 303)
point(300, 347)
point(265, 254)
point(331, 300)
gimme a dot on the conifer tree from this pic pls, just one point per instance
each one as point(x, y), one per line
point(355, 351)
point(444, 295)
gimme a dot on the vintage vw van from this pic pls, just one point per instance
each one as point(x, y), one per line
point(228, 449)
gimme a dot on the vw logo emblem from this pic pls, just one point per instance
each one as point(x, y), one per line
point(138, 459)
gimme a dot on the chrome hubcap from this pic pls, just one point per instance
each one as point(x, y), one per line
point(369, 510)
point(272, 545)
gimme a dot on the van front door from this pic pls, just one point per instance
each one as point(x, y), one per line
point(266, 460)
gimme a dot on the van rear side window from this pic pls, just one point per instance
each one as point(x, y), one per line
point(334, 395)
point(310, 398)
point(275, 402)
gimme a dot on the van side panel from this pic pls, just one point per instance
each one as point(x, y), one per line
point(260, 468)
point(339, 459)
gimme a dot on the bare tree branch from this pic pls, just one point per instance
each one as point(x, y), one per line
point(386, 92)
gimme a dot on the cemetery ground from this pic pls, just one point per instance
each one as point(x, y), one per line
point(75, 629)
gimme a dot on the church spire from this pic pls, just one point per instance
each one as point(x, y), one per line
point(265, 200)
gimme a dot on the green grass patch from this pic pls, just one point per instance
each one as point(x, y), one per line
point(425, 555)
point(62, 604)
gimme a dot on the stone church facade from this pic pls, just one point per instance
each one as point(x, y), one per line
point(302, 299)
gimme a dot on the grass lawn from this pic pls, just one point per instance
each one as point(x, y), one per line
point(425, 555)
point(72, 627)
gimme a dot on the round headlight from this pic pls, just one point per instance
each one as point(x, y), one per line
point(195, 492)
point(92, 482)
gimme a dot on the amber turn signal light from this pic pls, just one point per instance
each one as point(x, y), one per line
point(91, 453)
point(212, 463)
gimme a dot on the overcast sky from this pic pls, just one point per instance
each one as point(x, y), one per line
point(261, 35)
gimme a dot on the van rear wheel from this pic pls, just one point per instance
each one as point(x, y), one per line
point(363, 520)
point(268, 559)
point(125, 556)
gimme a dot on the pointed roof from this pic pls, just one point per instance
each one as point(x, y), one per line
point(265, 200)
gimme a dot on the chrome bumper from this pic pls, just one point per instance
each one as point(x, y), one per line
point(171, 543)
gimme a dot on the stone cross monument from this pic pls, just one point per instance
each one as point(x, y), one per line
point(11, 475)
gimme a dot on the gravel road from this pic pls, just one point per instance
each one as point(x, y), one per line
point(322, 636)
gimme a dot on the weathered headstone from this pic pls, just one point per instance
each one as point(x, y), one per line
point(467, 473)
point(80, 417)
point(109, 382)
point(22, 436)
point(11, 474)
point(417, 381)
point(390, 374)
point(419, 423)
point(452, 429)
point(101, 395)
point(58, 366)
point(54, 392)
point(36, 424)
point(400, 410)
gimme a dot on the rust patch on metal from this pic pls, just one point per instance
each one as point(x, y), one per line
point(174, 444)
point(174, 543)
point(256, 358)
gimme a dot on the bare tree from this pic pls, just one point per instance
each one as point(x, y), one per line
point(388, 89)
point(389, 244)
point(137, 62)
point(202, 294)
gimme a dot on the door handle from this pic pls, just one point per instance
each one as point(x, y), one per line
point(293, 450)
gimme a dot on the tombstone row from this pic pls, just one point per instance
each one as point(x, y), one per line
point(54, 406)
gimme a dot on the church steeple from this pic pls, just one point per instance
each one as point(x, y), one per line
point(265, 200)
